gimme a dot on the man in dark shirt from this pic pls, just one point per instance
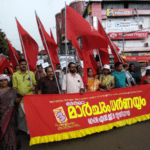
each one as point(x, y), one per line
point(48, 84)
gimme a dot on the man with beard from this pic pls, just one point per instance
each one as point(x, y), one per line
point(74, 83)
point(48, 84)
point(21, 82)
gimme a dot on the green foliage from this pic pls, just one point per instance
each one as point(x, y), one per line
point(3, 44)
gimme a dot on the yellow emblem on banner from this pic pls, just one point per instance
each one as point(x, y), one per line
point(60, 115)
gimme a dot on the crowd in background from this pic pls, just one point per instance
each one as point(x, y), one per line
point(14, 87)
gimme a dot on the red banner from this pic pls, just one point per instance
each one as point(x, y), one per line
point(137, 58)
point(59, 117)
point(135, 35)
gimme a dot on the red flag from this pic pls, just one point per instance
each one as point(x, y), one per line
point(115, 52)
point(51, 34)
point(3, 64)
point(51, 45)
point(93, 64)
point(117, 48)
point(89, 62)
point(104, 56)
point(78, 26)
point(30, 46)
point(13, 55)
point(117, 57)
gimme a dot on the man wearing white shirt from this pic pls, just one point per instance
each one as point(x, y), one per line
point(75, 83)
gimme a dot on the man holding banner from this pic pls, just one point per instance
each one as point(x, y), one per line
point(75, 83)
point(47, 84)
point(21, 82)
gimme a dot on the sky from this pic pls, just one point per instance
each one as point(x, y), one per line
point(24, 11)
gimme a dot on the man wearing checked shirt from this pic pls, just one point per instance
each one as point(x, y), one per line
point(21, 82)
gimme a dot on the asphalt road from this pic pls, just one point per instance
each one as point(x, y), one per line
point(133, 137)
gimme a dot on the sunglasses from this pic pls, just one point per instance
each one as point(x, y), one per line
point(23, 78)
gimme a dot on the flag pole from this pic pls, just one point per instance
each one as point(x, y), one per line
point(101, 65)
point(25, 55)
point(16, 59)
point(119, 58)
point(111, 43)
point(66, 50)
point(48, 52)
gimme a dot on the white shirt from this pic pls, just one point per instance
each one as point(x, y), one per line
point(75, 83)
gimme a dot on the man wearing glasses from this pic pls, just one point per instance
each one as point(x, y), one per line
point(21, 82)
point(75, 83)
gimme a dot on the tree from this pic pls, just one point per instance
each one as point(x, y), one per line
point(3, 44)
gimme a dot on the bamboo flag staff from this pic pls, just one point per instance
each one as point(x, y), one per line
point(66, 48)
point(23, 49)
point(47, 51)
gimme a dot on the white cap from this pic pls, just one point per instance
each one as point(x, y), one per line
point(148, 68)
point(107, 67)
point(4, 76)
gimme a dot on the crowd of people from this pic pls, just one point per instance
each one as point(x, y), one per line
point(13, 87)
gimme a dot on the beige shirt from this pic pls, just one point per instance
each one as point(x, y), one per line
point(75, 83)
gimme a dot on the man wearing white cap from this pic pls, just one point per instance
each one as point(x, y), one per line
point(146, 79)
point(107, 81)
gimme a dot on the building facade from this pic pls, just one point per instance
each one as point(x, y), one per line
point(128, 20)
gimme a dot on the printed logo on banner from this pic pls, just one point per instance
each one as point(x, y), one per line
point(117, 24)
point(60, 115)
point(113, 35)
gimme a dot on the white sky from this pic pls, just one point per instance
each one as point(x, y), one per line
point(24, 11)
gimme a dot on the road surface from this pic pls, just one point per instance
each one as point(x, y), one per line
point(133, 137)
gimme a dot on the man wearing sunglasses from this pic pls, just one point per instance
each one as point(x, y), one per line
point(74, 83)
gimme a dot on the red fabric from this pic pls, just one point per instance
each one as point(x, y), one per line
point(5, 63)
point(117, 48)
point(51, 34)
point(49, 41)
point(92, 64)
point(52, 115)
point(89, 62)
point(143, 79)
point(30, 45)
point(104, 57)
point(12, 52)
point(78, 26)
point(115, 53)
